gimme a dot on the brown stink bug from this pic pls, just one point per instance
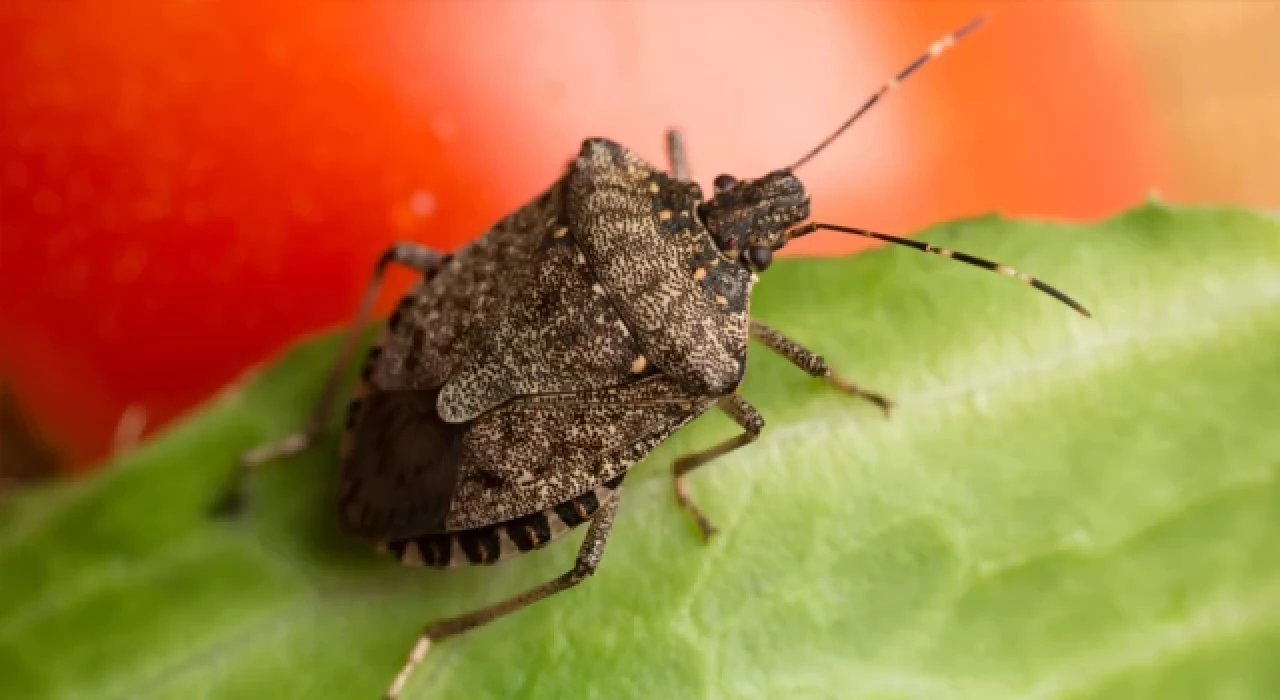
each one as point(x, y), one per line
point(516, 384)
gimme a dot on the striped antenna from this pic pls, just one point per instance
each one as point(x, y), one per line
point(953, 254)
point(936, 48)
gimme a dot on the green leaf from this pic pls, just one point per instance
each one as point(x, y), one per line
point(1059, 508)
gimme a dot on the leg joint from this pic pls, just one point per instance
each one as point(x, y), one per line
point(817, 366)
point(581, 570)
point(418, 257)
point(390, 255)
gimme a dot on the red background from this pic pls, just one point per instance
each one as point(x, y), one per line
point(189, 186)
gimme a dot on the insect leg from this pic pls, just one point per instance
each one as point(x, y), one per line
point(412, 255)
point(589, 555)
point(745, 415)
point(813, 363)
point(676, 156)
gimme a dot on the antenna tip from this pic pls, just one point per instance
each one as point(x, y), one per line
point(1075, 305)
point(973, 24)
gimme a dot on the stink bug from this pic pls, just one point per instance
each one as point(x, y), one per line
point(516, 384)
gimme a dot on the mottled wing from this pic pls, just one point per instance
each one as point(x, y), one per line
point(432, 330)
point(399, 459)
point(401, 464)
point(554, 332)
point(535, 452)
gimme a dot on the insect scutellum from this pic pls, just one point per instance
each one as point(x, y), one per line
point(751, 219)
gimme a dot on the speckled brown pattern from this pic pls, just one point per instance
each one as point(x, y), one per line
point(539, 450)
point(559, 348)
point(647, 275)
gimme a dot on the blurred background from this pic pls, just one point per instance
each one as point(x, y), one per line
point(188, 186)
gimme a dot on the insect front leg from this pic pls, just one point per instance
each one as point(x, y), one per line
point(745, 415)
point(411, 255)
point(589, 555)
point(813, 363)
point(676, 156)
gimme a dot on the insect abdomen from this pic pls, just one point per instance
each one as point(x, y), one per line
point(494, 543)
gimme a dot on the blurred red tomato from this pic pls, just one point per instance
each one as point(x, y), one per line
point(187, 186)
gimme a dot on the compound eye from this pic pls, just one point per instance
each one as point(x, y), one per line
point(759, 257)
point(724, 182)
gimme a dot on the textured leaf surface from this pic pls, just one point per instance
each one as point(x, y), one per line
point(1060, 508)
